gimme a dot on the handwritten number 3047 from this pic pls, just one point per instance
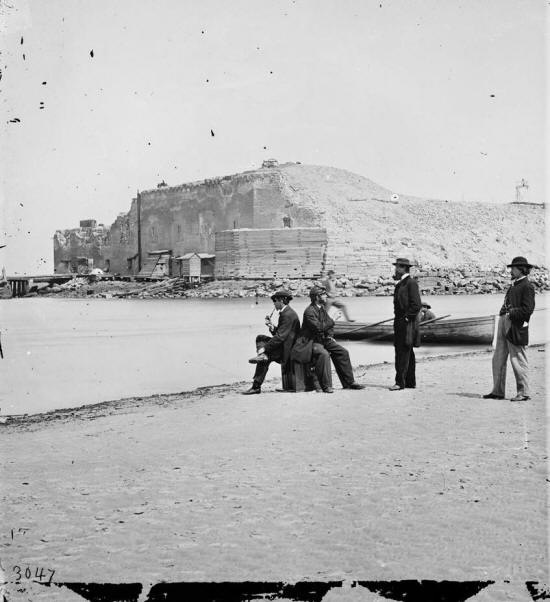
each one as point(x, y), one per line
point(38, 574)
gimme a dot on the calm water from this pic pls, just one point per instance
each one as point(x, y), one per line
point(61, 353)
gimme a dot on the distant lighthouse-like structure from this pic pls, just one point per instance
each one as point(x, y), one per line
point(521, 191)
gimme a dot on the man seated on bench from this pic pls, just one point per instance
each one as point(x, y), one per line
point(276, 348)
point(318, 326)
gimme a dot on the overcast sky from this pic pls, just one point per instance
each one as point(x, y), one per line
point(435, 98)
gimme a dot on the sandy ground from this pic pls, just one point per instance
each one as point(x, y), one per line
point(431, 483)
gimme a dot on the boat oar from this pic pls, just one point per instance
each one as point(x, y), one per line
point(432, 320)
point(367, 326)
point(389, 320)
point(384, 334)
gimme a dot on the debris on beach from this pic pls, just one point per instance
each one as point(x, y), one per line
point(432, 281)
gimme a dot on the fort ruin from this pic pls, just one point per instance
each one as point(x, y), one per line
point(293, 220)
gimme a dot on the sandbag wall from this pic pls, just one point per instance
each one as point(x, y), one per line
point(270, 253)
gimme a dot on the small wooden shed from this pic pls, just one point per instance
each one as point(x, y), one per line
point(195, 267)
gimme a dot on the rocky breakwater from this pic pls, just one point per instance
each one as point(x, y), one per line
point(432, 281)
point(466, 280)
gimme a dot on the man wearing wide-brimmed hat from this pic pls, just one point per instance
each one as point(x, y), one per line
point(513, 332)
point(276, 348)
point(406, 307)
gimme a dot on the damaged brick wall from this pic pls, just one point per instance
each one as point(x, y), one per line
point(185, 218)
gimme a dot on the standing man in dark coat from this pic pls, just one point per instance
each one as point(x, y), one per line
point(276, 348)
point(318, 326)
point(406, 306)
point(513, 332)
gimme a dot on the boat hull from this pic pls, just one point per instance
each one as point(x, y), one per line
point(462, 331)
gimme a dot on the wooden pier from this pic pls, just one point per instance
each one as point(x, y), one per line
point(20, 284)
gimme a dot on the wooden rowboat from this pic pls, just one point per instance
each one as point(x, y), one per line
point(462, 331)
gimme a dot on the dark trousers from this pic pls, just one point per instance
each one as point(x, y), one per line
point(320, 359)
point(260, 373)
point(261, 367)
point(405, 362)
point(340, 358)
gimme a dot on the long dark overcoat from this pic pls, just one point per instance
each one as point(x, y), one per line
point(519, 303)
point(278, 348)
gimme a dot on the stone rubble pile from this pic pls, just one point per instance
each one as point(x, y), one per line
point(86, 286)
point(432, 281)
point(73, 285)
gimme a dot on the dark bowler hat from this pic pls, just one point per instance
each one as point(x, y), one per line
point(424, 304)
point(402, 261)
point(520, 262)
point(282, 294)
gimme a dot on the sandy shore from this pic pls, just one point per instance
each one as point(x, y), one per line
point(431, 483)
